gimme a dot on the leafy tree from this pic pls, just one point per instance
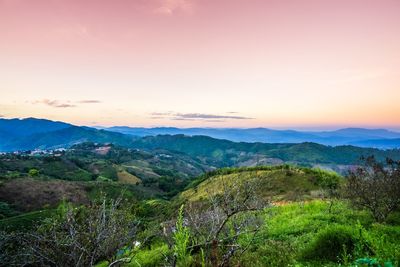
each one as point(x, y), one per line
point(33, 172)
point(375, 187)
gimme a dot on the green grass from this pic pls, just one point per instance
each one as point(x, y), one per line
point(276, 182)
point(146, 257)
point(304, 229)
point(25, 221)
point(307, 234)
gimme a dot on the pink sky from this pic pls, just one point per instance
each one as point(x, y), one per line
point(214, 63)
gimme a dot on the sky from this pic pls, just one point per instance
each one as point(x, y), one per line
point(301, 64)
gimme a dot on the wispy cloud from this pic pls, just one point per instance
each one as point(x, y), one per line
point(89, 101)
point(197, 116)
point(161, 114)
point(65, 104)
point(209, 116)
point(168, 7)
point(55, 103)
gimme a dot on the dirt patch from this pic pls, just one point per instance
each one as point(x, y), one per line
point(127, 178)
point(30, 194)
point(103, 150)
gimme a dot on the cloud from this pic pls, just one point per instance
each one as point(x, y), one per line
point(55, 103)
point(209, 116)
point(168, 7)
point(65, 104)
point(89, 101)
point(196, 117)
point(161, 113)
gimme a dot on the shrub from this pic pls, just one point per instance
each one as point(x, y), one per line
point(182, 239)
point(155, 256)
point(33, 172)
point(331, 243)
point(6, 210)
point(273, 253)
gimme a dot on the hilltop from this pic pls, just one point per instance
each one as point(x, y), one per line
point(277, 183)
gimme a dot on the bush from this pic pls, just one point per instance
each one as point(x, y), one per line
point(155, 256)
point(76, 236)
point(332, 244)
point(33, 172)
point(273, 253)
point(6, 210)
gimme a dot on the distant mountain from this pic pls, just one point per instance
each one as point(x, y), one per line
point(224, 153)
point(29, 134)
point(347, 136)
point(25, 127)
point(379, 143)
point(358, 132)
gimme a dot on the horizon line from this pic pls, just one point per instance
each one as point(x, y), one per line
point(305, 128)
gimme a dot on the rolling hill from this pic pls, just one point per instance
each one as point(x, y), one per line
point(224, 153)
point(30, 134)
point(379, 143)
point(347, 136)
point(278, 183)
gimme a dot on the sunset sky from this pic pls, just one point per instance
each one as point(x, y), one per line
point(213, 63)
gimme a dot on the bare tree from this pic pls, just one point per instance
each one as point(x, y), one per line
point(228, 214)
point(375, 187)
point(78, 237)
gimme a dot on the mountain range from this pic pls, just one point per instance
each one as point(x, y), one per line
point(32, 133)
point(378, 138)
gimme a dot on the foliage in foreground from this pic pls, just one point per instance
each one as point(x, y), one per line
point(298, 234)
point(230, 225)
point(375, 187)
point(77, 236)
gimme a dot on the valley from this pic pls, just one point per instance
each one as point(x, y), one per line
point(262, 204)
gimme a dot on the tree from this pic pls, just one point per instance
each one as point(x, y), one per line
point(78, 236)
point(33, 172)
point(375, 187)
point(225, 224)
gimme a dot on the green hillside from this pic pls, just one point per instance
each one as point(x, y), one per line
point(302, 226)
point(279, 183)
point(83, 173)
point(224, 153)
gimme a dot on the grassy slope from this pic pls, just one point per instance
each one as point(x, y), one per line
point(291, 230)
point(280, 183)
point(295, 227)
point(25, 221)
